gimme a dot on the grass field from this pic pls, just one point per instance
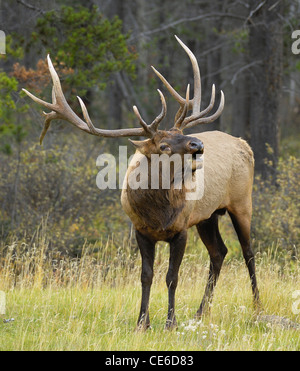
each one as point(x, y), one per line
point(93, 303)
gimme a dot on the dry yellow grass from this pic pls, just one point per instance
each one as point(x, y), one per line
point(92, 304)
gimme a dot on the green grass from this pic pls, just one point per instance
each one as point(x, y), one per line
point(93, 303)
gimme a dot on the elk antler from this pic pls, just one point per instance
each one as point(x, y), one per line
point(197, 116)
point(60, 109)
point(152, 128)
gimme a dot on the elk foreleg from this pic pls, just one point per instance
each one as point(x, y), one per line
point(147, 249)
point(177, 247)
point(210, 235)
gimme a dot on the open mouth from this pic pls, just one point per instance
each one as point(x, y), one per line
point(197, 160)
point(197, 154)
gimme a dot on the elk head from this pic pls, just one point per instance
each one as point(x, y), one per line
point(159, 141)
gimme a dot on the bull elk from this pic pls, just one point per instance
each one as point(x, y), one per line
point(166, 214)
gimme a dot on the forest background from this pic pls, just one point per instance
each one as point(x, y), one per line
point(103, 51)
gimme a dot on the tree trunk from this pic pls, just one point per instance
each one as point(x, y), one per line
point(214, 58)
point(115, 96)
point(265, 51)
point(240, 107)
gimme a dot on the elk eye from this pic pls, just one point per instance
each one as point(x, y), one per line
point(164, 147)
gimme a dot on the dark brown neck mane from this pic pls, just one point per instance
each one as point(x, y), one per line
point(157, 208)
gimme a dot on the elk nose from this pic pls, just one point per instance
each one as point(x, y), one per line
point(196, 146)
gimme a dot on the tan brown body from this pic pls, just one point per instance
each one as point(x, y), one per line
point(228, 178)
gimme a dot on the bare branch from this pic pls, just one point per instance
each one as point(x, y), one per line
point(259, 6)
point(31, 7)
point(242, 69)
point(186, 19)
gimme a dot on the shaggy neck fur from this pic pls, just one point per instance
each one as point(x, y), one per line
point(168, 203)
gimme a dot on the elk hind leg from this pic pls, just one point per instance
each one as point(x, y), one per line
point(242, 223)
point(210, 235)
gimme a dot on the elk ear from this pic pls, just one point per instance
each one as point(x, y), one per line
point(141, 145)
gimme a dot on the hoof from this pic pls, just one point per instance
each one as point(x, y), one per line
point(171, 325)
point(142, 327)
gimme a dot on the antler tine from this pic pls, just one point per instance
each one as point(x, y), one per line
point(49, 117)
point(86, 116)
point(172, 91)
point(38, 100)
point(162, 115)
point(142, 122)
point(152, 128)
point(58, 93)
point(206, 120)
point(180, 116)
point(197, 77)
point(205, 111)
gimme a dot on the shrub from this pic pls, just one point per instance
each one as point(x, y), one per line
point(276, 209)
point(58, 185)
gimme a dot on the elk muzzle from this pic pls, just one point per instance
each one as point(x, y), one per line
point(196, 149)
